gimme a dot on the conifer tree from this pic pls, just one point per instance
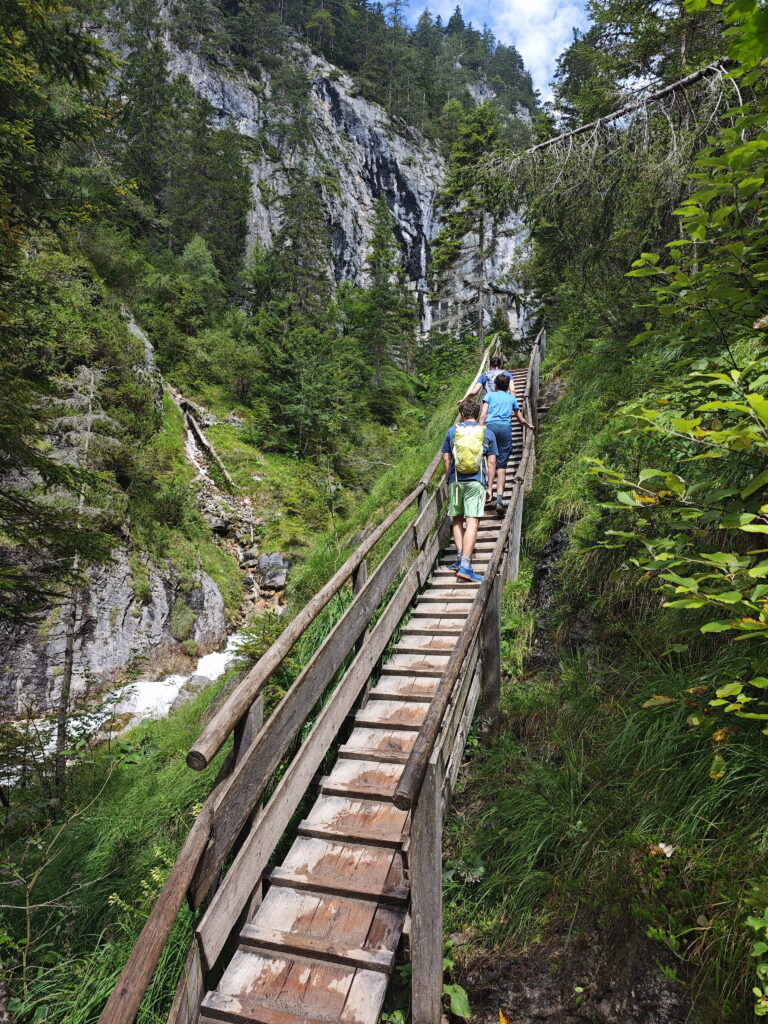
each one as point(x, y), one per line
point(468, 204)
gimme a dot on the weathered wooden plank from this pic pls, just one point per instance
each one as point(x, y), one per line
point(396, 897)
point(390, 714)
point(355, 820)
point(413, 688)
point(384, 744)
point(185, 1008)
point(257, 986)
point(251, 860)
point(424, 643)
point(124, 1002)
point(416, 665)
point(319, 949)
point(426, 875)
point(362, 871)
point(491, 660)
point(258, 764)
point(457, 753)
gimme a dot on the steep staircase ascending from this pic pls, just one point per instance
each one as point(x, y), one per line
point(321, 946)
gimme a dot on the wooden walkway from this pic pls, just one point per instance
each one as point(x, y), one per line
point(321, 945)
point(373, 727)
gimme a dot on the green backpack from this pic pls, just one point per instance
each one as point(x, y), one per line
point(468, 448)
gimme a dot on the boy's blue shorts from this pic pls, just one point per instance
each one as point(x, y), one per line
point(503, 434)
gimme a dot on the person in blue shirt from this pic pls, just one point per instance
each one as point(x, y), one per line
point(498, 409)
point(487, 379)
point(466, 491)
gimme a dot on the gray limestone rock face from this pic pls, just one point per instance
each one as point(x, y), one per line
point(120, 621)
point(364, 154)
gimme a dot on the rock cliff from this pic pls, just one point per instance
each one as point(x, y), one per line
point(361, 153)
point(122, 621)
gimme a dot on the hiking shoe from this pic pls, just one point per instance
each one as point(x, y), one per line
point(466, 572)
point(501, 508)
point(455, 566)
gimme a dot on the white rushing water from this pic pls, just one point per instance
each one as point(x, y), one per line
point(152, 698)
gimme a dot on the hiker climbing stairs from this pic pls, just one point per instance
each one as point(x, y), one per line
point(315, 939)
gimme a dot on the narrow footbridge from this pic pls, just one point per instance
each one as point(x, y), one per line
point(317, 859)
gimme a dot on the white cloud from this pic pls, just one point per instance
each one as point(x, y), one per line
point(540, 29)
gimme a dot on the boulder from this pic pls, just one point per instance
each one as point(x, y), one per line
point(189, 691)
point(273, 569)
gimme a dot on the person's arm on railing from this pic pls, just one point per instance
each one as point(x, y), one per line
point(522, 420)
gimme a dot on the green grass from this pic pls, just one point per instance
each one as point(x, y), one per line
point(557, 828)
point(129, 810)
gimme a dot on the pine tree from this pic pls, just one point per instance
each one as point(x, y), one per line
point(468, 205)
point(303, 252)
point(146, 115)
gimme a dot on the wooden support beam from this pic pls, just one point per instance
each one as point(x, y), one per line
point(491, 661)
point(426, 877)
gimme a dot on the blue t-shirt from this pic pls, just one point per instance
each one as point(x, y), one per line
point(501, 405)
point(489, 448)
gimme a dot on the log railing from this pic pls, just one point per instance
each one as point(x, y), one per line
point(430, 773)
point(235, 824)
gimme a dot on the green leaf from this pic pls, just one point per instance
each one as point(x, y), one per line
point(730, 689)
point(717, 626)
point(659, 701)
point(755, 484)
point(760, 404)
point(718, 767)
point(459, 1000)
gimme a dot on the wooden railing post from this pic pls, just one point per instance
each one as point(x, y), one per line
point(426, 877)
point(512, 567)
point(491, 660)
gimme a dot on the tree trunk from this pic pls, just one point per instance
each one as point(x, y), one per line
point(66, 687)
point(481, 284)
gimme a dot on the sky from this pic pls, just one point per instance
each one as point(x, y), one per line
point(539, 29)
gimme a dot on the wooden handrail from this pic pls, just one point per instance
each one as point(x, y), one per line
point(126, 998)
point(215, 734)
point(412, 779)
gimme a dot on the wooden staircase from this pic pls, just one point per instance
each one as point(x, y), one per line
point(374, 727)
point(321, 945)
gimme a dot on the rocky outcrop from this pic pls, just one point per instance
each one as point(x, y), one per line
point(131, 610)
point(362, 153)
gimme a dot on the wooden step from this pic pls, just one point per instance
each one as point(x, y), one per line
point(416, 664)
point(437, 607)
point(391, 714)
point(355, 820)
point(411, 688)
point(365, 872)
point(325, 926)
point(277, 988)
point(431, 627)
point(389, 745)
point(440, 616)
point(375, 780)
point(424, 643)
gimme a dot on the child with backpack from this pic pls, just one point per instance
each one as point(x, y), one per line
point(469, 456)
point(498, 409)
